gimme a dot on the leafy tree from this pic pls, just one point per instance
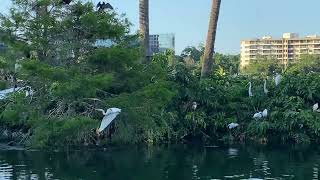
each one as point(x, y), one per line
point(230, 63)
point(307, 63)
point(61, 34)
point(55, 43)
point(266, 66)
point(193, 52)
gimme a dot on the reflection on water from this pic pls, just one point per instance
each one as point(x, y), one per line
point(176, 163)
point(233, 152)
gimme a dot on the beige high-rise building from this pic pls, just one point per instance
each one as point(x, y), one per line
point(288, 48)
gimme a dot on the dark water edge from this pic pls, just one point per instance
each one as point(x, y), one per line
point(181, 162)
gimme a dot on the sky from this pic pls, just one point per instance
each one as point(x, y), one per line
point(239, 19)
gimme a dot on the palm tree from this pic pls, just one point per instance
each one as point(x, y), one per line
point(211, 37)
point(144, 26)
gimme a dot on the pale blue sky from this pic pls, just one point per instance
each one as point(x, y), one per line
point(240, 19)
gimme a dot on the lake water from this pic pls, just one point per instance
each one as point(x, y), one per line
point(176, 163)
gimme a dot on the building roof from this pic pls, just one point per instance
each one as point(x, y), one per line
point(289, 36)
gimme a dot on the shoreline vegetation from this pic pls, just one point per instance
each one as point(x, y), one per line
point(51, 48)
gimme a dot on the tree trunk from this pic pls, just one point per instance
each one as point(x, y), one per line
point(211, 37)
point(144, 26)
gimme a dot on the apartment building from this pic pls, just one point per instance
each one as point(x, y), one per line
point(285, 49)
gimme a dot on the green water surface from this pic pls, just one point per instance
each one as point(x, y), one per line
point(157, 163)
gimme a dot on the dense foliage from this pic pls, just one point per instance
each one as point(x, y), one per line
point(55, 46)
point(226, 64)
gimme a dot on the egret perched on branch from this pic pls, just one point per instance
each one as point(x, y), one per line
point(265, 113)
point(4, 93)
point(265, 90)
point(29, 91)
point(316, 107)
point(260, 114)
point(257, 115)
point(233, 125)
point(194, 105)
point(250, 90)
point(277, 79)
point(109, 116)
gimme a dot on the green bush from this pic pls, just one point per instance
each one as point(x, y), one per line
point(61, 132)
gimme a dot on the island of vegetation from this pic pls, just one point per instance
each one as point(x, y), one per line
point(165, 99)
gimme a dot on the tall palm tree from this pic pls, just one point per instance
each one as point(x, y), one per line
point(211, 37)
point(144, 26)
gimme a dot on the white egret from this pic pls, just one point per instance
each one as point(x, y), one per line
point(109, 116)
point(257, 115)
point(250, 90)
point(194, 105)
point(29, 91)
point(316, 107)
point(277, 79)
point(233, 125)
point(265, 113)
point(4, 93)
point(265, 90)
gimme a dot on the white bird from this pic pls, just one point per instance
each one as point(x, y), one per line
point(4, 93)
point(109, 116)
point(265, 113)
point(194, 105)
point(257, 115)
point(233, 125)
point(266, 91)
point(29, 91)
point(277, 79)
point(250, 90)
point(316, 107)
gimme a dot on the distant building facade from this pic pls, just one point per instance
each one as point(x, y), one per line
point(161, 42)
point(285, 49)
point(158, 43)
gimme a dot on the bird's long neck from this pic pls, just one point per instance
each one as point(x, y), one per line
point(101, 110)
